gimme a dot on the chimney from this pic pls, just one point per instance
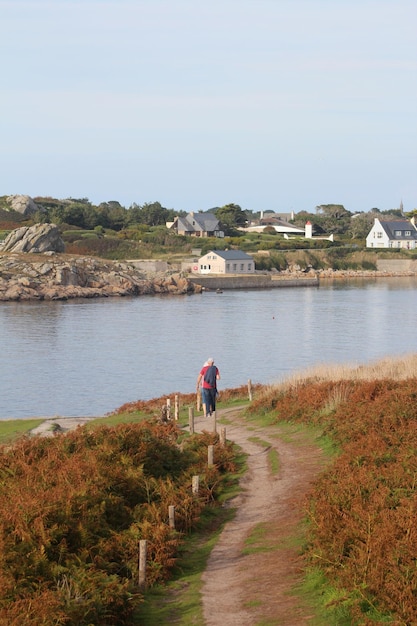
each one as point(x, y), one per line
point(308, 230)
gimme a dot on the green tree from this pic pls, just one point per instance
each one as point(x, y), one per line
point(334, 218)
point(360, 225)
point(231, 216)
point(151, 213)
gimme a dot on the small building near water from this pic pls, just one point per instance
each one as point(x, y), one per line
point(226, 262)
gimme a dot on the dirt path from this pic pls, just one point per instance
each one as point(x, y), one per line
point(243, 588)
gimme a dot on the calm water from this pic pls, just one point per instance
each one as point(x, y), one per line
point(86, 358)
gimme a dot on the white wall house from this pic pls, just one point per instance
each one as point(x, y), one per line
point(226, 262)
point(394, 234)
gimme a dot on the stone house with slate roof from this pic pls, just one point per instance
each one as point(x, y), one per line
point(226, 262)
point(392, 234)
point(197, 225)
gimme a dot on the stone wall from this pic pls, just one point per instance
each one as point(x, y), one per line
point(395, 266)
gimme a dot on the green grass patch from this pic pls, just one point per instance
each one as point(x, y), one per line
point(332, 606)
point(273, 456)
point(260, 540)
point(10, 430)
point(252, 604)
point(293, 432)
point(273, 461)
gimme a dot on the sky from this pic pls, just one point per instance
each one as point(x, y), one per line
point(277, 105)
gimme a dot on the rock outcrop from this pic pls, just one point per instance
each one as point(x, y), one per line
point(23, 204)
point(36, 239)
point(61, 277)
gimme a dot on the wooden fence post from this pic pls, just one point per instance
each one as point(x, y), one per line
point(198, 401)
point(210, 455)
point(176, 408)
point(191, 419)
point(143, 545)
point(168, 408)
point(222, 436)
point(250, 389)
point(214, 422)
point(171, 514)
point(196, 484)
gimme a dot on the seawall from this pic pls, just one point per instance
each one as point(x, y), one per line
point(253, 281)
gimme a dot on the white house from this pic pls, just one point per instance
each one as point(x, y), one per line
point(226, 262)
point(392, 234)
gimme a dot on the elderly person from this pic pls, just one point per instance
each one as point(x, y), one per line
point(208, 376)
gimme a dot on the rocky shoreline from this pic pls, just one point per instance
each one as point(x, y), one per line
point(55, 276)
point(52, 276)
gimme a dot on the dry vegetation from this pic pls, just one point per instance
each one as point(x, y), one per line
point(77, 506)
point(79, 503)
point(362, 513)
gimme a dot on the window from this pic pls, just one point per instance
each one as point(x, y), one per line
point(227, 267)
point(242, 267)
point(379, 235)
point(234, 267)
point(407, 233)
point(249, 267)
point(398, 233)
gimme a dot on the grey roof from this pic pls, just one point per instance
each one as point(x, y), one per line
point(399, 225)
point(232, 255)
point(206, 222)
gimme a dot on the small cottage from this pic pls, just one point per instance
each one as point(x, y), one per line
point(226, 262)
point(392, 234)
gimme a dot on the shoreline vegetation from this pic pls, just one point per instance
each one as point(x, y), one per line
point(359, 514)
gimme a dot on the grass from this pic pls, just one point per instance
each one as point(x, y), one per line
point(395, 368)
point(331, 606)
point(273, 457)
point(179, 601)
point(10, 430)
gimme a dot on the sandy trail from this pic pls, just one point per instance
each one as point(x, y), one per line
point(243, 589)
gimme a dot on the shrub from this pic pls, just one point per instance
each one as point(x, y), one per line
point(79, 503)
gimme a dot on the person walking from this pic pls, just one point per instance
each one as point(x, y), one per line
point(208, 376)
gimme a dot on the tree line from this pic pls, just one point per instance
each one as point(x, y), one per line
point(81, 213)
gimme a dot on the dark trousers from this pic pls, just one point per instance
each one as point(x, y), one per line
point(209, 399)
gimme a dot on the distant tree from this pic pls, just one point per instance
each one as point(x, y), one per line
point(151, 213)
point(393, 212)
point(335, 218)
point(360, 225)
point(231, 216)
point(76, 214)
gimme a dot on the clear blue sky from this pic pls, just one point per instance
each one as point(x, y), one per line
point(270, 104)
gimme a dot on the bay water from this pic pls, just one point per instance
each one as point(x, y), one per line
point(88, 357)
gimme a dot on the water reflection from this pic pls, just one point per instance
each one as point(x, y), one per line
point(88, 357)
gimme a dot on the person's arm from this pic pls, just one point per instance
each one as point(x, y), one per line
point(198, 380)
point(218, 375)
